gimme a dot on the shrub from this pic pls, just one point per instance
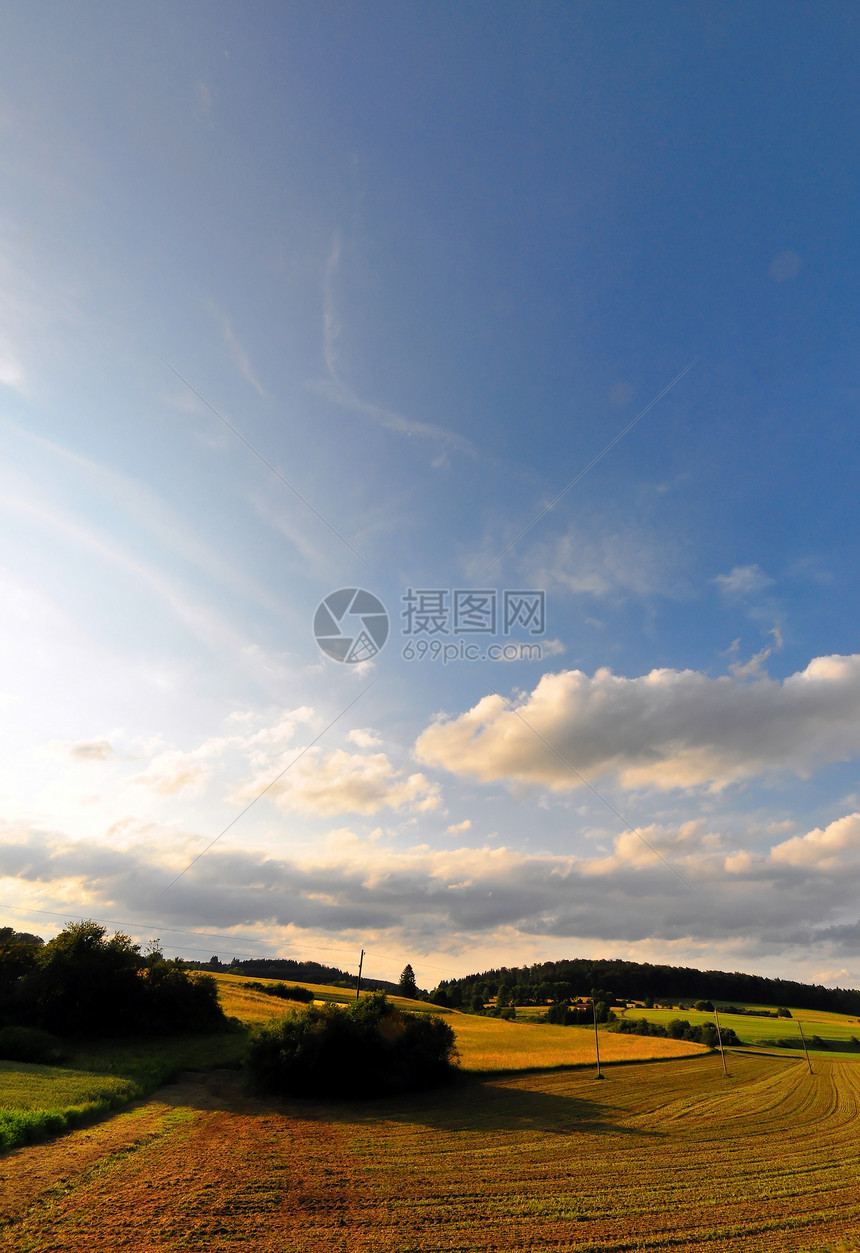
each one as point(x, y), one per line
point(174, 1000)
point(558, 1014)
point(29, 1044)
point(368, 1048)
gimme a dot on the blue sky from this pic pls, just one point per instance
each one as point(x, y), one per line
point(317, 296)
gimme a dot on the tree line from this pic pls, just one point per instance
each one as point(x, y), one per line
point(289, 968)
point(641, 981)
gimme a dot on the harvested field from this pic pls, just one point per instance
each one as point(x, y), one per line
point(488, 1044)
point(657, 1156)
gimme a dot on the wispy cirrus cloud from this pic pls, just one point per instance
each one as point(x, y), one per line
point(11, 367)
point(742, 581)
point(335, 390)
point(238, 354)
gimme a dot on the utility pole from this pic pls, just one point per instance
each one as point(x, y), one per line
point(720, 1038)
point(596, 1037)
point(805, 1049)
point(358, 985)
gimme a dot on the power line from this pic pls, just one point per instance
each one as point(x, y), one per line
point(224, 940)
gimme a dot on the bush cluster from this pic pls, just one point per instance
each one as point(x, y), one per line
point(368, 1048)
point(677, 1029)
point(282, 990)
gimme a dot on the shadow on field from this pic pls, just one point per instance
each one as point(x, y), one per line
point(466, 1104)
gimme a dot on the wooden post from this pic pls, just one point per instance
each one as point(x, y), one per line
point(358, 985)
point(720, 1038)
point(805, 1049)
point(596, 1037)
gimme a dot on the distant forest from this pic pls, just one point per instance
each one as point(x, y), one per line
point(296, 971)
point(636, 981)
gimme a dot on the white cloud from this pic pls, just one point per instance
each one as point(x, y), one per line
point(91, 750)
point(743, 581)
point(612, 561)
point(364, 738)
point(785, 266)
point(340, 782)
point(837, 844)
point(335, 390)
point(665, 729)
point(173, 771)
point(11, 369)
point(339, 394)
point(457, 828)
point(238, 355)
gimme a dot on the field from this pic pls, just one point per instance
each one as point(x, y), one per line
point(539, 1156)
point(835, 1029)
point(40, 1100)
point(654, 1157)
point(484, 1044)
point(490, 1044)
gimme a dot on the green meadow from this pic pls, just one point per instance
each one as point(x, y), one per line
point(836, 1030)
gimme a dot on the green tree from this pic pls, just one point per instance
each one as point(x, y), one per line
point(407, 985)
point(87, 983)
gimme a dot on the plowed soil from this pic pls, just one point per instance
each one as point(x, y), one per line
point(667, 1155)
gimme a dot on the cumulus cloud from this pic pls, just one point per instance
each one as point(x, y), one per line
point(837, 844)
point(665, 729)
point(457, 828)
point(340, 782)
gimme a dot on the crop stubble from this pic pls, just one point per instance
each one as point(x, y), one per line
point(667, 1155)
